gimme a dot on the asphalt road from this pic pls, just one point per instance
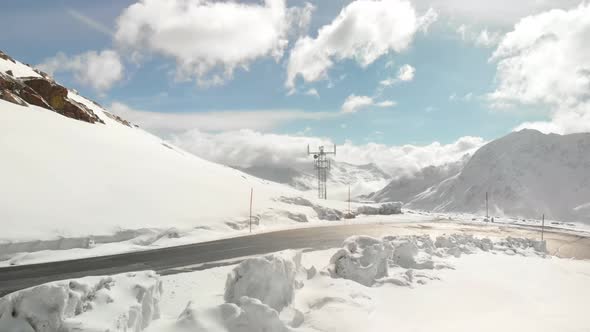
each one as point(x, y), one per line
point(206, 254)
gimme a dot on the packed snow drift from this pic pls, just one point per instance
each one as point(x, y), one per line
point(455, 281)
point(127, 302)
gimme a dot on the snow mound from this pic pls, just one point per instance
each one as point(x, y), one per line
point(270, 279)
point(366, 259)
point(127, 302)
point(382, 209)
point(248, 315)
point(363, 259)
point(323, 213)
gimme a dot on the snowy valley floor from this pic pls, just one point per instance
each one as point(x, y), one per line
point(404, 283)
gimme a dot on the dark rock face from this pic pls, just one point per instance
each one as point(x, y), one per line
point(54, 94)
point(14, 87)
point(44, 93)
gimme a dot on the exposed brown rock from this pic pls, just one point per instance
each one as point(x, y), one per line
point(118, 119)
point(10, 73)
point(53, 93)
point(11, 97)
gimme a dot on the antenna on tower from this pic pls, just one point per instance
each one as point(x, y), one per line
point(322, 164)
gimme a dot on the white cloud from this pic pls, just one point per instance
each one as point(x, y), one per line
point(497, 13)
point(251, 148)
point(466, 97)
point(545, 60)
point(405, 73)
point(100, 70)
point(312, 92)
point(387, 26)
point(482, 38)
point(170, 123)
point(487, 38)
point(354, 103)
point(209, 39)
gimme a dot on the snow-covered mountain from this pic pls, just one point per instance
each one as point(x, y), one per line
point(526, 174)
point(363, 179)
point(71, 169)
point(406, 187)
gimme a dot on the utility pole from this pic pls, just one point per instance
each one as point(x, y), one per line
point(543, 227)
point(322, 164)
point(487, 210)
point(349, 198)
point(251, 194)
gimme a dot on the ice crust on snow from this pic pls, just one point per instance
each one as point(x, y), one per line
point(270, 279)
point(126, 302)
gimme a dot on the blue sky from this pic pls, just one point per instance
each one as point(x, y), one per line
point(446, 99)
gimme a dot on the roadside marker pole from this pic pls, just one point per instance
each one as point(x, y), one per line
point(349, 198)
point(487, 210)
point(543, 227)
point(251, 194)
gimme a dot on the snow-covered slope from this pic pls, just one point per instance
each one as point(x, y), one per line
point(526, 174)
point(63, 176)
point(363, 179)
point(406, 187)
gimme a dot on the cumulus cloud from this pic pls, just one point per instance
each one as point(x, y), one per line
point(487, 38)
point(246, 148)
point(312, 92)
point(363, 31)
point(166, 124)
point(354, 103)
point(545, 60)
point(209, 39)
point(404, 74)
point(497, 13)
point(100, 70)
point(482, 38)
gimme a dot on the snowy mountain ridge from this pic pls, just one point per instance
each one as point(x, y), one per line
point(363, 179)
point(525, 173)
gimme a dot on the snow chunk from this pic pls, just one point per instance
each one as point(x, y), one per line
point(363, 259)
point(270, 279)
point(118, 303)
point(382, 209)
point(248, 315)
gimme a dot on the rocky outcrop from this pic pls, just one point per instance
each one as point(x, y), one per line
point(44, 93)
point(57, 98)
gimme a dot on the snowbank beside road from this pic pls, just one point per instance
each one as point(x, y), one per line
point(127, 302)
point(464, 282)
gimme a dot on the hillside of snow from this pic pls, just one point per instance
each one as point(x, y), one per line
point(526, 174)
point(363, 179)
point(71, 170)
point(405, 187)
